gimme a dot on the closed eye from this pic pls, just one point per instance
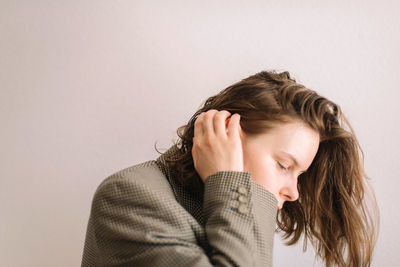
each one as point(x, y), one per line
point(283, 167)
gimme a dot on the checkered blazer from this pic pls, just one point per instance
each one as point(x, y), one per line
point(140, 216)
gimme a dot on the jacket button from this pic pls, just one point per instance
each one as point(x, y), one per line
point(242, 190)
point(242, 199)
point(242, 209)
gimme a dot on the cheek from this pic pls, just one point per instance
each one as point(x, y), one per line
point(265, 174)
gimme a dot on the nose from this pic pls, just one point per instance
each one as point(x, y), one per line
point(289, 191)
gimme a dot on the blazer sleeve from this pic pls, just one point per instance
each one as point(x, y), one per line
point(132, 225)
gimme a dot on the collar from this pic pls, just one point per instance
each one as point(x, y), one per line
point(191, 202)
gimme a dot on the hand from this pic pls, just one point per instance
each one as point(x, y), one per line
point(217, 144)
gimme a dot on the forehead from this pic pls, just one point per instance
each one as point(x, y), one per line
point(293, 134)
point(291, 128)
point(295, 138)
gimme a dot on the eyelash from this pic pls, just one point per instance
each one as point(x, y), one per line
point(283, 167)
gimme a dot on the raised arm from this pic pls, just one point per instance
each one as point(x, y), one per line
point(133, 225)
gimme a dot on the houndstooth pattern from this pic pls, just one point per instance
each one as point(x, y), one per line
point(140, 216)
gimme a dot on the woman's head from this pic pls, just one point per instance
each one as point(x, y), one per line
point(329, 208)
point(276, 158)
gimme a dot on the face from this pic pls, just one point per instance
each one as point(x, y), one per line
point(267, 158)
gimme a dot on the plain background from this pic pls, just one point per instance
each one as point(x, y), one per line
point(88, 87)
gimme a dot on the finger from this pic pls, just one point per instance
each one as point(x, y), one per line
point(208, 125)
point(234, 125)
point(219, 122)
point(198, 128)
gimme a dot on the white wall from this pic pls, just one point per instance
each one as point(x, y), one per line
point(87, 87)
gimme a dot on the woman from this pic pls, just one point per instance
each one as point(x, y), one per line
point(264, 150)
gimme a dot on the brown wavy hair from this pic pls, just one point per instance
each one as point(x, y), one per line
point(336, 209)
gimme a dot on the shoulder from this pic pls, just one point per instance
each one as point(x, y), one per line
point(146, 176)
point(139, 187)
point(138, 198)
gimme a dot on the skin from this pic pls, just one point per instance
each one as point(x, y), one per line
point(219, 144)
point(273, 169)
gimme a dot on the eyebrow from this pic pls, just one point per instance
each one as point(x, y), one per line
point(293, 159)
